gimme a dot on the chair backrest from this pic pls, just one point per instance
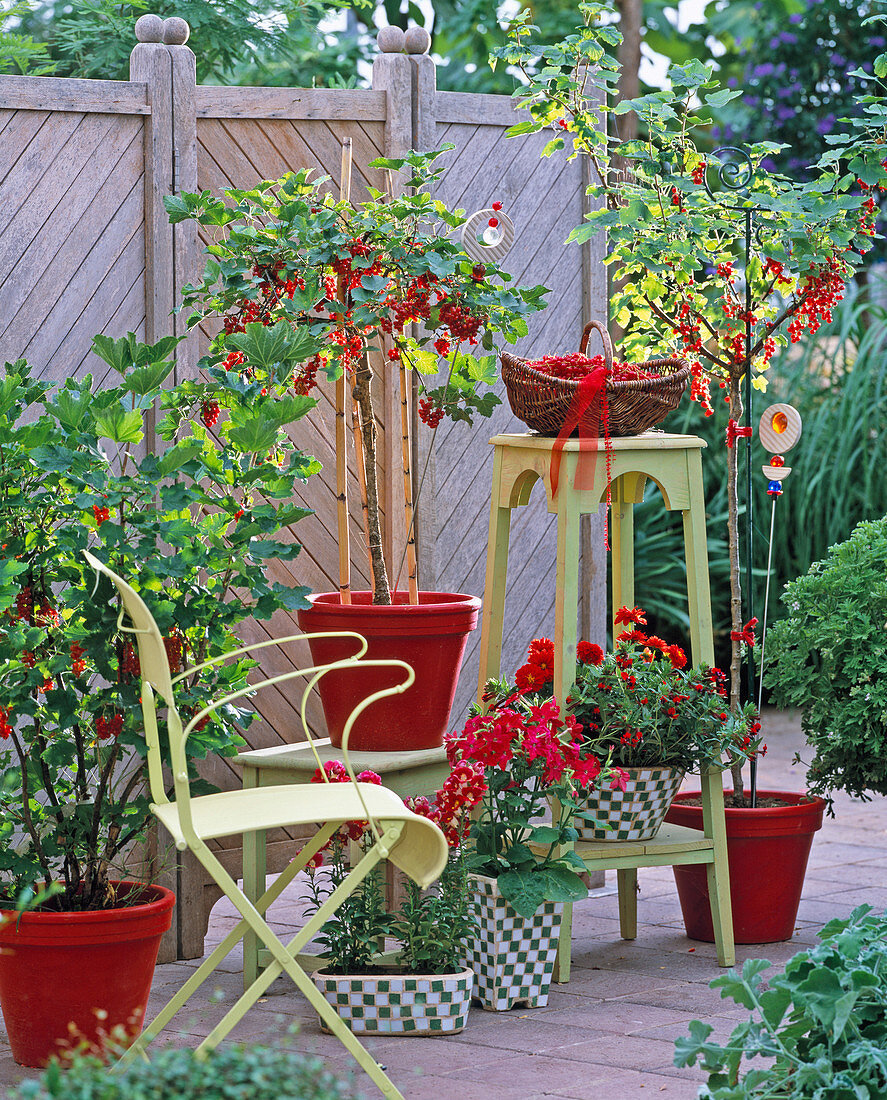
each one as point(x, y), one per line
point(155, 676)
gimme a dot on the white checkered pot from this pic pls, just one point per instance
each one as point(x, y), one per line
point(635, 813)
point(399, 1004)
point(512, 956)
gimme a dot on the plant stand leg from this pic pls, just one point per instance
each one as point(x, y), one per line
point(254, 870)
point(622, 540)
point(493, 613)
point(718, 871)
point(627, 883)
point(696, 553)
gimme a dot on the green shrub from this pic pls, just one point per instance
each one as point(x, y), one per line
point(823, 1022)
point(828, 657)
point(229, 1073)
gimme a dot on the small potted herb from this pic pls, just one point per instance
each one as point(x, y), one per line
point(522, 875)
point(425, 989)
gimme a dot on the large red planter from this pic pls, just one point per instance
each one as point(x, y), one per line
point(67, 978)
point(429, 636)
point(767, 851)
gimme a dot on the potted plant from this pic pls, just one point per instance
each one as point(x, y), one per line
point(385, 290)
point(72, 799)
point(826, 657)
point(818, 1024)
point(425, 989)
point(720, 260)
point(522, 871)
point(653, 718)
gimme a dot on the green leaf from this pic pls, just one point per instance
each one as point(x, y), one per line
point(148, 379)
point(175, 457)
point(524, 890)
point(267, 345)
point(120, 425)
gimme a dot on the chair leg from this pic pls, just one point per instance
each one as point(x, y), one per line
point(627, 884)
point(493, 610)
point(718, 871)
point(283, 959)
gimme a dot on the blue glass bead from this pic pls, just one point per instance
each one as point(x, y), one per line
point(774, 488)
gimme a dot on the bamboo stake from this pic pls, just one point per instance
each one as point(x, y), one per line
point(341, 431)
point(412, 568)
point(361, 474)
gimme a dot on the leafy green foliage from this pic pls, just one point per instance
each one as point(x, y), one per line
point(20, 53)
point(827, 656)
point(821, 1024)
point(192, 529)
point(432, 925)
point(231, 1071)
point(255, 42)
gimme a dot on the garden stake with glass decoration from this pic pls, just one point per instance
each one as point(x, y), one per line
point(779, 430)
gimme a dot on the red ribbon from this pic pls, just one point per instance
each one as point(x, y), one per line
point(734, 432)
point(587, 412)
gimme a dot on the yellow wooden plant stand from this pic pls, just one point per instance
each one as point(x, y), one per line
point(674, 463)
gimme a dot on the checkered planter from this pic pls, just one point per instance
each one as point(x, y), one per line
point(512, 956)
point(635, 813)
point(399, 1004)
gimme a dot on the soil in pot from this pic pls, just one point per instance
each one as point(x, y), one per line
point(430, 637)
point(767, 848)
point(72, 978)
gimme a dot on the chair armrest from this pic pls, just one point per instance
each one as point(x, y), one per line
point(275, 641)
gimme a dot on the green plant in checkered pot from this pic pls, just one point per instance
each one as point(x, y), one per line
point(524, 867)
point(421, 986)
point(655, 718)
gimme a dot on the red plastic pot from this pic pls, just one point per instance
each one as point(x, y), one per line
point(72, 978)
point(767, 850)
point(429, 636)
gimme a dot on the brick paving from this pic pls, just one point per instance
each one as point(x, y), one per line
point(608, 1032)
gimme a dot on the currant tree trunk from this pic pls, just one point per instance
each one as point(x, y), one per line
point(364, 398)
point(735, 587)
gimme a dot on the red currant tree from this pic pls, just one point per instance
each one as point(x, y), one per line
point(378, 282)
point(679, 222)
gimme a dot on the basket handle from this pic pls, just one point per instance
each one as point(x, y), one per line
point(605, 339)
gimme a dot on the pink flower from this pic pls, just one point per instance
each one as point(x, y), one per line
point(619, 780)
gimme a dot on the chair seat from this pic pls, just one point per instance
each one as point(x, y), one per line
point(420, 851)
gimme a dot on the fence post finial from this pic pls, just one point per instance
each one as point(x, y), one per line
point(390, 40)
point(176, 31)
point(417, 40)
point(149, 28)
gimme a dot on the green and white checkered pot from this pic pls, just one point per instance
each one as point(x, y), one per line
point(399, 1004)
point(512, 956)
point(635, 813)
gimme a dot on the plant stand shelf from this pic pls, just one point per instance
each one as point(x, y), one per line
point(674, 463)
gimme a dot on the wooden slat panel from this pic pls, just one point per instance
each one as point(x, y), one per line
point(476, 108)
point(52, 93)
point(293, 103)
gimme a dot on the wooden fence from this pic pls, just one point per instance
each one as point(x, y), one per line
point(86, 247)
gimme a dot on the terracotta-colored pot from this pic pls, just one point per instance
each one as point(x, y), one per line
point(72, 978)
point(767, 850)
point(429, 636)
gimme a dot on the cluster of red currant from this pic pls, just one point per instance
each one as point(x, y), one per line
point(575, 366)
point(78, 665)
point(209, 413)
point(108, 727)
point(6, 730)
point(430, 413)
point(174, 644)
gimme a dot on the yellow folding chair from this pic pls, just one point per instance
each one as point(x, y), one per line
point(412, 843)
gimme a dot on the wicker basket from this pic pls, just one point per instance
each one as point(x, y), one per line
point(543, 401)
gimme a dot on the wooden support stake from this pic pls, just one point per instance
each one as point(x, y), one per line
point(412, 568)
point(341, 431)
point(360, 463)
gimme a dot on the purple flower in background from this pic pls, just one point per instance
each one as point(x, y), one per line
point(793, 74)
point(825, 124)
point(786, 38)
point(796, 18)
point(795, 163)
point(751, 100)
point(784, 113)
point(768, 164)
point(788, 91)
point(838, 60)
point(732, 82)
point(767, 69)
point(878, 41)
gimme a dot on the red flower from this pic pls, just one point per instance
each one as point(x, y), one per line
point(676, 655)
point(589, 653)
point(630, 615)
point(633, 636)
